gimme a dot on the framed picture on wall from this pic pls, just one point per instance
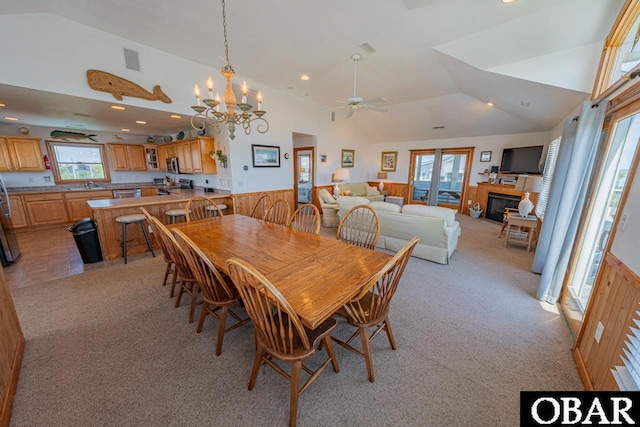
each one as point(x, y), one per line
point(265, 156)
point(388, 161)
point(348, 158)
point(323, 158)
point(485, 156)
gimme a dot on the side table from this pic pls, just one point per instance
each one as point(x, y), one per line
point(520, 230)
point(395, 200)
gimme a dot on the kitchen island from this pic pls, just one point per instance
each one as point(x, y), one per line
point(105, 211)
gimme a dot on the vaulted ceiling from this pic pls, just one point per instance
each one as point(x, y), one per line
point(437, 62)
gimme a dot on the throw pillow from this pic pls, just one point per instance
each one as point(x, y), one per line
point(371, 191)
point(347, 193)
point(326, 197)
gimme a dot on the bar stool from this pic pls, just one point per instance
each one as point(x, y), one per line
point(175, 213)
point(213, 209)
point(132, 219)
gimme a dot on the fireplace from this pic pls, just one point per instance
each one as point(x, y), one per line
point(496, 204)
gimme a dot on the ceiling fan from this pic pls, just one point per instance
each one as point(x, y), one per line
point(355, 102)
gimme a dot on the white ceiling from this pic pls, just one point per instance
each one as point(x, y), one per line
point(437, 61)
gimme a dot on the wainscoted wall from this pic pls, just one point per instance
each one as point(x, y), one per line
point(614, 305)
point(243, 203)
point(11, 351)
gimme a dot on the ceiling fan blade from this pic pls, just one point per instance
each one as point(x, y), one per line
point(342, 102)
point(374, 108)
point(350, 113)
point(375, 100)
point(334, 108)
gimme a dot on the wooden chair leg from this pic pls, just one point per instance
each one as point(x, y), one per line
point(203, 316)
point(167, 270)
point(328, 344)
point(174, 280)
point(296, 367)
point(194, 297)
point(180, 292)
point(222, 321)
point(256, 365)
point(366, 351)
point(387, 329)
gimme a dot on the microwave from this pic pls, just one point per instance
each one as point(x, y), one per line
point(172, 165)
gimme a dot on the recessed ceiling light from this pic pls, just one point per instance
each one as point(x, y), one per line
point(507, 1)
point(305, 77)
point(15, 119)
point(118, 107)
point(141, 122)
point(490, 104)
point(125, 130)
point(175, 116)
point(2, 105)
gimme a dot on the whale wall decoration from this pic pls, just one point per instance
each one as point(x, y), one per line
point(119, 87)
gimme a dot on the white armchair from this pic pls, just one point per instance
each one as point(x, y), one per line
point(330, 209)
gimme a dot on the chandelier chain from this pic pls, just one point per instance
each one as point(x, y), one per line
point(224, 26)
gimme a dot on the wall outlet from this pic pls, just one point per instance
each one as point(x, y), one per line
point(240, 184)
point(599, 331)
point(31, 180)
point(469, 202)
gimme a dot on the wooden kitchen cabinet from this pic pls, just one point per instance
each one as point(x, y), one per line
point(76, 202)
point(18, 214)
point(184, 157)
point(151, 157)
point(44, 209)
point(126, 157)
point(161, 151)
point(20, 154)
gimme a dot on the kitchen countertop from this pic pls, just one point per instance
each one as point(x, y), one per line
point(65, 188)
point(176, 195)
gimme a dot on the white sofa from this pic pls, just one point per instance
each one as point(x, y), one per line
point(436, 227)
point(329, 207)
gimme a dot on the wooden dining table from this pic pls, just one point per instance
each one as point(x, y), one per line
point(317, 275)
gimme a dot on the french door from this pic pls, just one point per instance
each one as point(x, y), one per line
point(440, 176)
point(604, 201)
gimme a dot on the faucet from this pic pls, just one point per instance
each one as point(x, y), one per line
point(89, 184)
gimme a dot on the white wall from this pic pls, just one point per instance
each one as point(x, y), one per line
point(494, 143)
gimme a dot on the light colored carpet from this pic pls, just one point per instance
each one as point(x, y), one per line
point(107, 348)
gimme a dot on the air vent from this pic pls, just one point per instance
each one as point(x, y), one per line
point(438, 127)
point(131, 59)
point(82, 114)
point(367, 48)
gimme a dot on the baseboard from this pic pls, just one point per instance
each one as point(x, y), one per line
point(582, 370)
point(5, 412)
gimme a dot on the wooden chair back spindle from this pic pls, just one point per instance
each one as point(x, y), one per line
point(306, 218)
point(278, 212)
point(261, 206)
point(200, 208)
point(360, 227)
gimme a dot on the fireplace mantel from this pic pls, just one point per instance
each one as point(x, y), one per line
point(484, 188)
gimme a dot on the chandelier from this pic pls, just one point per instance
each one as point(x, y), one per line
point(210, 113)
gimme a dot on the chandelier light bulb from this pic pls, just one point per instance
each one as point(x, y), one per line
point(196, 90)
point(210, 86)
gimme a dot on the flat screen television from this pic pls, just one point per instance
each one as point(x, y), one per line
point(521, 160)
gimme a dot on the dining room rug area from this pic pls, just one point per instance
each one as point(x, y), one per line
point(106, 347)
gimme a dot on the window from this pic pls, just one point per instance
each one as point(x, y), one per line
point(75, 162)
point(547, 177)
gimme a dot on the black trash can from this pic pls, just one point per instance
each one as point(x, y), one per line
point(85, 233)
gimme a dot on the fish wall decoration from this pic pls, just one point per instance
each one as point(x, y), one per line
point(119, 87)
point(66, 135)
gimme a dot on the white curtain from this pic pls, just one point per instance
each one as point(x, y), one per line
point(580, 140)
point(435, 179)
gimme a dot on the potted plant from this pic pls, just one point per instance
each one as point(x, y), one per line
point(219, 156)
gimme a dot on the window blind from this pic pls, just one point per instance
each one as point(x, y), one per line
point(628, 375)
point(547, 177)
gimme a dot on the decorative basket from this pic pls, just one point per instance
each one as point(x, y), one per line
point(475, 211)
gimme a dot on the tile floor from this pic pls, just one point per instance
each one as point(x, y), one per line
point(46, 255)
point(52, 254)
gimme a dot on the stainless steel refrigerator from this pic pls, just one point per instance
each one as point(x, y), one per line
point(9, 249)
